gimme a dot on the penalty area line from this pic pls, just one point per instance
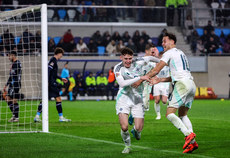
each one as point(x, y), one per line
point(121, 144)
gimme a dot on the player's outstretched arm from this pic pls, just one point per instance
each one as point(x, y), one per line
point(145, 78)
point(151, 59)
point(157, 69)
point(136, 84)
point(142, 78)
point(124, 83)
point(156, 80)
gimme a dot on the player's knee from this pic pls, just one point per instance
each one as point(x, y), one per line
point(138, 128)
point(157, 101)
point(124, 128)
point(164, 102)
point(166, 115)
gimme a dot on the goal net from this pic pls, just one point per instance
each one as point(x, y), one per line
point(23, 62)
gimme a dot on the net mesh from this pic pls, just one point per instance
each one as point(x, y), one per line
point(20, 31)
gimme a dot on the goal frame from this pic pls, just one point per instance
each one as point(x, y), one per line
point(44, 61)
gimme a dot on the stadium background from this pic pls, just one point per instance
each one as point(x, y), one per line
point(94, 130)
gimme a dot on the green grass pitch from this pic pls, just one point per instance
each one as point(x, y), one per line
point(95, 133)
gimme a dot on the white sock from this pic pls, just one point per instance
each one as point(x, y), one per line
point(157, 108)
point(188, 124)
point(126, 137)
point(176, 121)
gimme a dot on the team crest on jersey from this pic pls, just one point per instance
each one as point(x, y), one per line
point(121, 109)
point(138, 69)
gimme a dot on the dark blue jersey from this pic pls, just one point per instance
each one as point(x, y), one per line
point(15, 75)
point(52, 72)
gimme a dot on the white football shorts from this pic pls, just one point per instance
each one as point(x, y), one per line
point(130, 103)
point(161, 89)
point(183, 94)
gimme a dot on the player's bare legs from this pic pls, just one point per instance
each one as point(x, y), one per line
point(164, 99)
point(58, 99)
point(157, 106)
point(123, 119)
point(136, 131)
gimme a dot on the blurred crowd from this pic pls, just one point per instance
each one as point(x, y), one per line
point(30, 44)
point(209, 41)
point(112, 43)
point(27, 44)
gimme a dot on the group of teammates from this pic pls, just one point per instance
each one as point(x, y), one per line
point(132, 76)
point(129, 74)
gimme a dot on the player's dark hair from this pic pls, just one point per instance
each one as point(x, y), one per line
point(171, 36)
point(148, 46)
point(126, 50)
point(58, 50)
point(66, 63)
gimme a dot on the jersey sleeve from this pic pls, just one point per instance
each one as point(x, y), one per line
point(50, 68)
point(166, 57)
point(151, 59)
point(124, 83)
point(9, 80)
point(120, 79)
point(15, 73)
point(19, 71)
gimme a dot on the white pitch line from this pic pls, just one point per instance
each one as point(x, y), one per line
point(198, 118)
point(121, 144)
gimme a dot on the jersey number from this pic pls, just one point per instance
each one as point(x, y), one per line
point(185, 62)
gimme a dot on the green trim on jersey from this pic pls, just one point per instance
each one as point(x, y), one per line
point(189, 104)
point(120, 94)
point(177, 96)
point(173, 63)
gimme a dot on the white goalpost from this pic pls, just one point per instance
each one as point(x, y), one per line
point(24, 31)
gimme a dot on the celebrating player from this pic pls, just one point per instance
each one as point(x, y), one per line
point(128, 98)
point(150, 50)
point(183, 91)
point(53, 86)
point(14, 83)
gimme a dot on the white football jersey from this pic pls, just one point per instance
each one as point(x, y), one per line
point(146, 69)
point(135, 70)
point(178, 64)
point(164, 73)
